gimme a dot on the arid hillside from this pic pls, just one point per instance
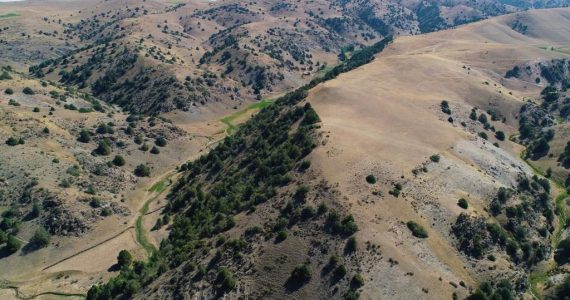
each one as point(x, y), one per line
point(158, 56)
point(76, 175)
point(155, 149)
point(388, 119)
point(397, 179)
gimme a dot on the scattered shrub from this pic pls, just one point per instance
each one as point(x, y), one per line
point(103, 148)
point(301, 274)
point(305, 164)
point(12, 141)
point(357, 281)
point(12, 245)
point(463, 203)
point(105, 129)
point(142, 170)
point(124, 259)
point(417, 229)
point(160, 141)
point(36, 210)
point(340, 271)
point(282, 235)
point(226, 280)
point(28, 91)
point(119, 161)
point(562, 254)
point(301, 193)
point(5, 75)
point(351, 245)
point(40, 239)
point(371, 179)
point(500, 135)
point(435, 158)
point(473, 115)
point(8, 91)
point(445, 107)
point(84, 136)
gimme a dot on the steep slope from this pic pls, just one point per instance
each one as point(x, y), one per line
point(386, 119)
point(412, 147)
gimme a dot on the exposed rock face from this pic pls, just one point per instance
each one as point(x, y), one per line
point(59, 220)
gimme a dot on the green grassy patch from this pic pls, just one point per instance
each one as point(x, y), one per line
point(158, 187)
point(142, 238)
point(230, 120)
point(9, 15)
point(140, 231)
point(324, 71)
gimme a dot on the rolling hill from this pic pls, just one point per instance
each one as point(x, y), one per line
point(292, 149)
point(430, 197)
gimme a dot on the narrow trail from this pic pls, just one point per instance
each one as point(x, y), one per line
point(89, 248)
point(19, 295)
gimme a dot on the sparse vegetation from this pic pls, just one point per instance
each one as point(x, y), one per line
point(301, 274)
point(434, 158)
point(40, 239)
point(12, 141)
point(417, 229)
point(28, 91)
point(463, 203)
point(124, 259)
point(160, 141)
point(445, 107)
point(142, 170)
point(103, 148)
point(119, 161)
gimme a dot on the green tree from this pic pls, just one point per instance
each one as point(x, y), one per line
point(142, 170)
point(84, 136)
point(160, 141)
point(36, 210)
point(28, 91)
point(500, 135)
point(124, 259)
point(226, 280)
point(463, 203)
point(12, 245)
point(562, 254)
point(104, 147)
point(119, 161)
point(40, 239)
point(301, 274)
point(357, 281)
point(473, 115)
point(417, 229)
point(12, 141)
